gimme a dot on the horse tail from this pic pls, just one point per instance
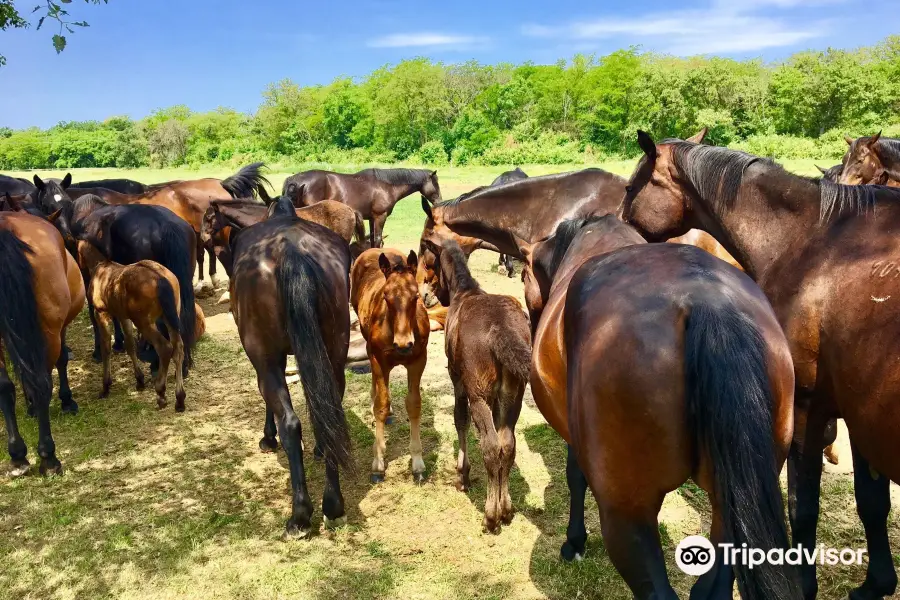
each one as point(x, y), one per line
point(511, 349)
point(729, 403)
point(166, 296)
point(177, 255)
point(302, 288)
point(20, 326)
point(359, 228)
point(248, 182)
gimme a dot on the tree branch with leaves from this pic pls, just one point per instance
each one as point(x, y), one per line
point(51, 10)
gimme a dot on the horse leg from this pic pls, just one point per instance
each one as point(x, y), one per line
point(213, 268)
point(510, 266)
point(164, 351)
point(576, 532)
point(104, 325)
point(178, 357)
point(461, 420)
point(96, 355)
point(200, 256)
point(873, 503)
point(381, 406)
point(18, 452)
point(718, 582)
point(508, 410)
point(62, 368)
point(378, 222)
point(278, 399)
point(490, 450)
point(831, 452)
point(414, 411)
point(131, 349)
point(804, 485)
point(46, 448)
point(636, 552)
point(269, 443)
point(119, 344)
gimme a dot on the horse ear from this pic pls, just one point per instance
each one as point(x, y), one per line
point(384, 264)
point(433, 174)
point(699, 137)
point(848, 139)
point(67, 181)
point(39, 183)
point(54, 215)
point(433, 247)
point(412, 261)
point(821, 170)
point(874, 139)
point(426, 206)
point(647, 144)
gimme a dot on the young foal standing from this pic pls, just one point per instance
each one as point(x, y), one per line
point(395, 325)
point(137, 294)
point(489, 361)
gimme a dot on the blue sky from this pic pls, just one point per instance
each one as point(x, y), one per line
point(139, 55)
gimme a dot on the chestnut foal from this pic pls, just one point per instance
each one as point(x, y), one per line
point(488, 345)
point(394, 323)
point(137, 294)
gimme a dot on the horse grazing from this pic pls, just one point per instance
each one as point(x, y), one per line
point(131, 233)
point(872, 159)
point(394, 323)
point(41, 295)
point(139, 294)
point(290, 295)
point(516, 174)
point(371, 192)
point(225, 216)
point(122, 186)
point(825, 254)
point(488, 346)
point(189, 200)
point(659, 363)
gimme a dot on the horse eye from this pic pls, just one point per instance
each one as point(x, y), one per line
point(629, 189)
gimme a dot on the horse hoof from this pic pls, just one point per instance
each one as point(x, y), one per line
point(161, 404)
point(335, 523)
point(224, 298)
point(462, 487)
point(491, 527)
point(19, 468)
point(569, 554)
point(293, 532)
point(867, 592)
point(267, 446)
point(507, 518)
point(360, 369)
point(96, 357)
point(50, 466)
point(70, 408)
point(30, 410)
point(419, 478)
point(179, 407)
point(377, 477)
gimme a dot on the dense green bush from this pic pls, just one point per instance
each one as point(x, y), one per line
point(575, 111)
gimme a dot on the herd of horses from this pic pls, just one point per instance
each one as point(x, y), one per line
point(717, 358)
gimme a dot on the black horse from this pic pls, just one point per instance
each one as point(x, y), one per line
point(127, 234)
point(123, 186)
point(504, 178)
point(16, 186)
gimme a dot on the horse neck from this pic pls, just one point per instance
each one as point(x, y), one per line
point(455, 272)
point(467, 220)
point(774, 211)
point(398, 191)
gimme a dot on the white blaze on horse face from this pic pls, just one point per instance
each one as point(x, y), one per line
point(57, 197)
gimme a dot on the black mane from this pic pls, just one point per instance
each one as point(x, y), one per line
point(397, 176)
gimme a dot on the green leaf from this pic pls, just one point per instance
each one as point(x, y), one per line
point(65, 1)
point(40, 22)
point(81, 24)
point(59, 42)
point(37, 8)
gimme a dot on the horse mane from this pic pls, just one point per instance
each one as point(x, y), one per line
point(510, 176)
point(462, 277)
point(397, 176)
point(889, 153)
point(462, 197)
point(563, 238)
point(717, 174)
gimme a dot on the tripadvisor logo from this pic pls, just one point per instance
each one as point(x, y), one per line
point(696, 555)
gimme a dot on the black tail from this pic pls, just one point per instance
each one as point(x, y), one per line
point(178, 252)
point(166, 296)
point(20, 326)
point(301, 285)
point(730, 411)
point(248, 182)
point(359, 228)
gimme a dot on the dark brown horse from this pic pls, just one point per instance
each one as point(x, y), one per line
point(394, 323)
point(372, 192)
point(488, 346)
point(872, 159)
point(224, 215)
point(826, 255)
point(660, 363)
point(137, 294)
point(290, 295)
point(41, 293)
point(190, 200)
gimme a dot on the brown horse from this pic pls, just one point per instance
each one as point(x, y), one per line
point(223, 215)
point(190, 200)
point(371, 192)
point(394, 323)
point(826, 256)
point(872, 159)
point(137, 294)
point(704, 241)
point(516, 174)
point(659, 363)
point(41, 293)
point(290, 295)
point(488, 346)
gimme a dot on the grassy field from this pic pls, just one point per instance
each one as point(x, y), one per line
point(163, 505)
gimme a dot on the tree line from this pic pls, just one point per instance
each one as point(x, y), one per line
point(583, 110)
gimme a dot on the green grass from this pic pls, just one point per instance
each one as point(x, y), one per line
point(155, 504)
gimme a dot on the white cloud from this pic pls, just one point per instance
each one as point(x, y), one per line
point(725, 27)
point(422, 40)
